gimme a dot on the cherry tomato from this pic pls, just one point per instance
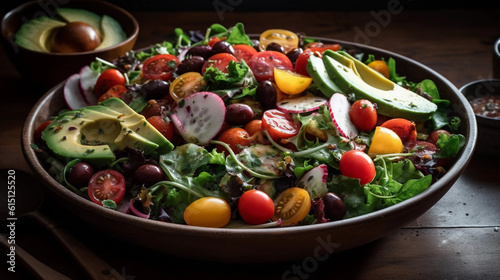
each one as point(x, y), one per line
point(219, 61)
point(244, 52)
point(115, 91)
point(213, 40)
point(208, 212)
point(363, 115)
point(255, 207)
point(381, 67)
point(107, 79)
point(237, 138)
point(40, 128)
point(321, 47)
point(301, 62)
point(185, 85)
point(357, 164)
point(434, 136)
point(279, 125)
point(263, 63)
point(287, 39)
point(160, 67)
point(404, 128)
point(165, 128)
point(385, 141)
point(253, 127)
point(291, 82)
point(292, 206)
point(106, 184)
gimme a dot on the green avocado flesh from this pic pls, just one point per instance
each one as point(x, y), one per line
point(348, 75)
point(37, 34)
point(112, 32)
point(93, 133)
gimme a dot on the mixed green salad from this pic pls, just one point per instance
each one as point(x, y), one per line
point(218, 129)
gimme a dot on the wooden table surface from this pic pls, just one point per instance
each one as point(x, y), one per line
point(458, 238)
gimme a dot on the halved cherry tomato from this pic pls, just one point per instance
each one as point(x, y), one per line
point(385, 141)
point(244, 52)
point(301, 63)
point(165, 128)
point(40, 128)
point(208, 212)
point(115, 91)
point(213, 40)
point(279, 125)
point(404, 128)
point(291, 82)
point(363, 115)
point(236, 138)
point(292, 206)
point(285, 38)
point(263, 63)
point(160, 66)
point(357, 164)
point(107, 79)
point(106, 184)
point(381, 67)
point(185, 85)
point(255, 207)
point(321, 47)
point(219, 61)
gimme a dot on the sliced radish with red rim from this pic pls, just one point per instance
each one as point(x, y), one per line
point(339, 108)
point(302, 104)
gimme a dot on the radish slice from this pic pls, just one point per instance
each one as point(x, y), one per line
point(199, 117)
point(339, 108)
point(301, 104)
point(135, 211)
point(314, 181)
point(72, 95)
point(88, 78)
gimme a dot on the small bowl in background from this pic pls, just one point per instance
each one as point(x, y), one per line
point(496, 59)
point(47, 69)
point(488, 127)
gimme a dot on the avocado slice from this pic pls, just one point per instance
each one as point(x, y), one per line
point(37, 33)
point(316, 69)
point(81, 15)
point(112, 32)
point(93, 133)
point(353, 76)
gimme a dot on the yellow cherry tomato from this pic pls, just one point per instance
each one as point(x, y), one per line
point(385, 141)
point(290, 82)
point(381, 67)
point(208, 212)
point(292, 206)
point(285, 38)
point(185, 85)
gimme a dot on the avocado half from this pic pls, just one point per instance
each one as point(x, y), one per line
point(93, 133)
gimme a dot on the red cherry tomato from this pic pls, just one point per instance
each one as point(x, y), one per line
point(219, 61)
point(160, 67)
point(115, 91)
point(301, 63)
point(255, 207)
point(357, 164)
point(213, 40)
point(279, 125)
point(40, 129)
point(106, 184)
point(108, 79)
point(165, 128)
point(363, 115)
point(321, 47)
point(263, 63)
point(404, 128)
point(244, 52)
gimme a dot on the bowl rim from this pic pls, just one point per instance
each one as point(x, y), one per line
point(452, 175)
point(19, 9)
point(495, 82)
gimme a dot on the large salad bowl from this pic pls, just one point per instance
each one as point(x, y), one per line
point(270, 244)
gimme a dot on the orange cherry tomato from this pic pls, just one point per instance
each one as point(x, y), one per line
point(115, 91)
point(253, 127)
point(237, 138)
point(292, 206)
point(381, 67)
point(185, 85)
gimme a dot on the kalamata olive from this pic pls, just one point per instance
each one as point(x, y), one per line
point(334, 207)
point(149, 174)
point(255, 44)
point(238, 114)
point(155, 89)
point(204, 51)
point(75, 37)
point(222, 47)
point(79, 175)
point(192, 64)
point(156, 108)
point(267, 95)
point(294, 54)
point(273, 46)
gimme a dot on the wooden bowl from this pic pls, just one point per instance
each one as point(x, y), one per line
point(48, 69)
point(261, 245)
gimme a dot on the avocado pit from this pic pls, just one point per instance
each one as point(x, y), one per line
point(75, 37)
